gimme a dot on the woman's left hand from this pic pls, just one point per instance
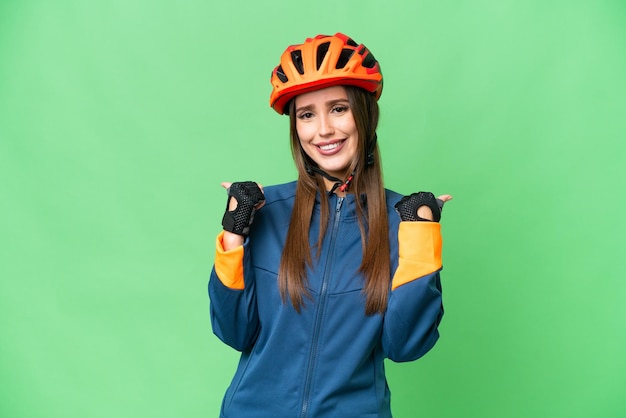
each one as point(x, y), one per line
point(425, 212)
point(421, 207)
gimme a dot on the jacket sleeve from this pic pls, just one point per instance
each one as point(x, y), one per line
point(232, 297)
point(415, 305)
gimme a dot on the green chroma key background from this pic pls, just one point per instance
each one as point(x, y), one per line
point(119, 119)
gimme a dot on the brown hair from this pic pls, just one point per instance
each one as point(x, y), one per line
point(368, 181)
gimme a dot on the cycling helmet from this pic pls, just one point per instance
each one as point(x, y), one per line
point(321, 62)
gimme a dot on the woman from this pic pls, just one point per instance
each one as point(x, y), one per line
point(317, 281)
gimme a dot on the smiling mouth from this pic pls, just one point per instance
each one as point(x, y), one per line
point(331, 146)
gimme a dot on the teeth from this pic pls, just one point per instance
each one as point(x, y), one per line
point(329, 146)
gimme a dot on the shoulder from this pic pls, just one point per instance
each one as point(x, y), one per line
point(392, 198)
point(276, 212)
point(279, 192)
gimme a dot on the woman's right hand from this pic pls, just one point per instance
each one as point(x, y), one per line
point(244, 199)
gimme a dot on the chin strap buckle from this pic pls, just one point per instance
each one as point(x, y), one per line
point(344, 187)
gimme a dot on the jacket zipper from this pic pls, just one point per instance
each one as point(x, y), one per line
point(320, 312)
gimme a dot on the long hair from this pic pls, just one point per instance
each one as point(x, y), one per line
point(368, 182)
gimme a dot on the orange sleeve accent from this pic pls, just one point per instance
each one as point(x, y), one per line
point(229, 264)
point(419, 247)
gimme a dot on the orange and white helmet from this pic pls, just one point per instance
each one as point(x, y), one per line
point(321, 62)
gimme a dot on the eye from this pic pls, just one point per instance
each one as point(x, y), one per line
point(339, 109)
point(305, 115)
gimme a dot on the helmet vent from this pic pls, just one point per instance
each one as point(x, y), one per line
point(351, 42)
point(296, 58)
point(321, 53)
point(369, 61)
point(281, 74)
point(344, 57)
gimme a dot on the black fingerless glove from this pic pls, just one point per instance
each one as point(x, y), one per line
point(248, 195)
point(407, 206)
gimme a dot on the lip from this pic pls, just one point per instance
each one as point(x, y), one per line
point(332, 151)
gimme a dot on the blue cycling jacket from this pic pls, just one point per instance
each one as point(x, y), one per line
point(327, 360)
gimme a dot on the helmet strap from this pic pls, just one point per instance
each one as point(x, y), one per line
point(370, 150)
point(339, 184)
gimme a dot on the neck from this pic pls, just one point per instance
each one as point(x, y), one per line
point(331, 186)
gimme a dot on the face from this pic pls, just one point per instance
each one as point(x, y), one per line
point(326, 129)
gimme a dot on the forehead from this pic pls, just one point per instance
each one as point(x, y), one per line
point(321, 96)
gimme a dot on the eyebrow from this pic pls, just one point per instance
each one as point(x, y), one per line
point(329, 103)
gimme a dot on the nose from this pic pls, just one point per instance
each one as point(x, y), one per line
point(326, 126)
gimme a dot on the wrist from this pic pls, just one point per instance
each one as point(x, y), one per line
point(231, 240)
